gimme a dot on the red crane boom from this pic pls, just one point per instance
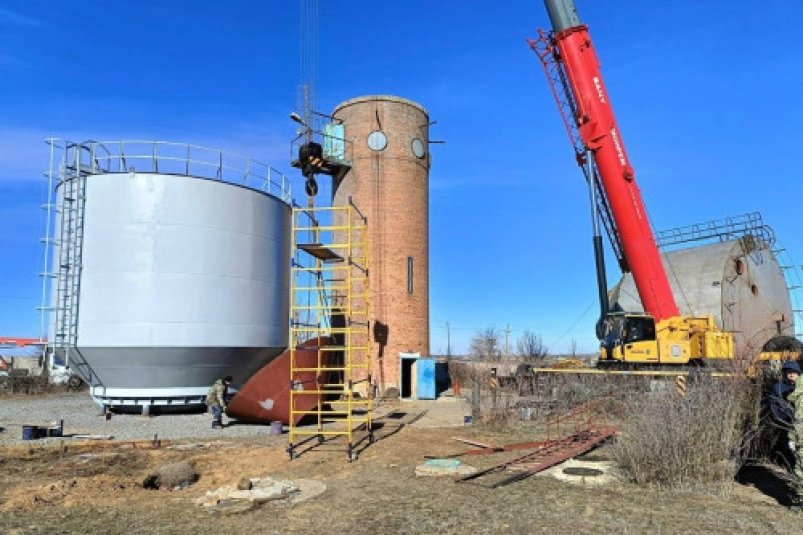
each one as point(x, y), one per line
point(594, 119)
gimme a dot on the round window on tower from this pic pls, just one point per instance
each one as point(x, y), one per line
point(418, 148)
point(377, 140)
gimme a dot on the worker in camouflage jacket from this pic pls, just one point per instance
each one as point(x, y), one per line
point(216, 400)
point(783, 412)
point(796, 443)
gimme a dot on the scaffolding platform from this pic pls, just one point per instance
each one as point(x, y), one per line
point(320, 252)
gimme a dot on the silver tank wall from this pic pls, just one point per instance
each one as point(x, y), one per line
point(184, 280)
point(739, 282)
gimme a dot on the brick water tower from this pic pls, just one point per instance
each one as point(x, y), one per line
point(389, 182)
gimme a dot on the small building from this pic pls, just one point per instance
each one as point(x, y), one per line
point(25, 356)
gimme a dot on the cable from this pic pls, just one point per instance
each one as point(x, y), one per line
point(677, 281)
point(671, 267)
point(577, 321)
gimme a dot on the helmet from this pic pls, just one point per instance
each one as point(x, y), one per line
point(791, 366)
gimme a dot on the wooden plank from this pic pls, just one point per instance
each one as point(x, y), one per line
point(478, 444)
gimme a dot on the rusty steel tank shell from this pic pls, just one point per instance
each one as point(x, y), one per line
point(184, 280)
point(739, 282)
point(389, 183)
point(265, 397)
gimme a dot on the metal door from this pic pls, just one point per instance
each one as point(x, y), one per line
point(425, 375)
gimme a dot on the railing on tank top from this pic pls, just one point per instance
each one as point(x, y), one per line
point(170, 158)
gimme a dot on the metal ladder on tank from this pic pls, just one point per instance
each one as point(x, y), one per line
point(69, 241)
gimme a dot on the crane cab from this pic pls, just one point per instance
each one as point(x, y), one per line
point(629, 338)
point(639, 339)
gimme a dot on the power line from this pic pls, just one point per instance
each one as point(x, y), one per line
point(577, 321)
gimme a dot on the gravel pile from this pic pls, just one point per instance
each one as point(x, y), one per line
point(81, 416)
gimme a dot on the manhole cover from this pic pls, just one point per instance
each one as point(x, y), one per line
point(580, 471)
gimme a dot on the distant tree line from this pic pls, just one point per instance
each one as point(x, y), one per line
point(486, 345)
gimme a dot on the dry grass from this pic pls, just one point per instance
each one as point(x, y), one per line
point(682, 442)
point(535, 397)
point(377, 494)
point(380, 493)
point(668, 441)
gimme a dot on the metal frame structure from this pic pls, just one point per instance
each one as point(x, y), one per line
point(729, 228)
point(568, 435)
point(794, 283)
point(338, 152)
point(171, 158)
point(330, 303)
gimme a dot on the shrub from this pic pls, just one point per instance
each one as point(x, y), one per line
point(675, 441)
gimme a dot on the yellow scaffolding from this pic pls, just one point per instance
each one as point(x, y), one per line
point(329, 310)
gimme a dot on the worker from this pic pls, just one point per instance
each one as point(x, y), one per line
point(796, 443)
point(216, 400)
point(782, 411)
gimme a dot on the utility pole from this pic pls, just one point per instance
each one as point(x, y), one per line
point(507, 334)
point(448, 340)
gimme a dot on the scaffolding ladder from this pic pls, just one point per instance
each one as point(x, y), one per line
point(331, 395)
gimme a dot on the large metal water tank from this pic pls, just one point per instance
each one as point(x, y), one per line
point(739, 282)
point(184, 271)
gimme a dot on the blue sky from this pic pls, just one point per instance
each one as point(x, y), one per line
point(705, 94)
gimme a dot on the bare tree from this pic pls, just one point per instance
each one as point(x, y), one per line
point(531, 347)
point(485, 345)
point(573, 348)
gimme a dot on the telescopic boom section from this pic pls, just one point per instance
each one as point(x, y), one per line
point(600, 133)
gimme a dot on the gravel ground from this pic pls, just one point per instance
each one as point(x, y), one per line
point(81, 416)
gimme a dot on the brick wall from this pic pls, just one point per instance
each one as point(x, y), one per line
point(391, 187)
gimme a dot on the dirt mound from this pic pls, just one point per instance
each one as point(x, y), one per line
point(171, 475)
point(65, 492)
